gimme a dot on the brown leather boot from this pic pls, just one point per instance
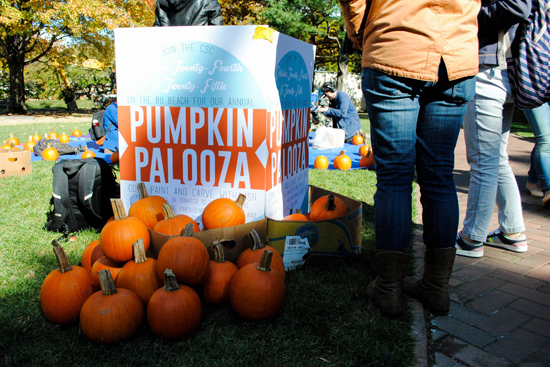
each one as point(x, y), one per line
point(433, 288)
point(385, 290)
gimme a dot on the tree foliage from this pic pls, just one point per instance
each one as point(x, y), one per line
point(50, 30)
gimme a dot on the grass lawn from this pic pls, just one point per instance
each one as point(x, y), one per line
point(326, 319)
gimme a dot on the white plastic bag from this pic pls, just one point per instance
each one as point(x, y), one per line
point(328, 138)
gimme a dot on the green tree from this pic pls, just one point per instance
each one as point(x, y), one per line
point(32, 30)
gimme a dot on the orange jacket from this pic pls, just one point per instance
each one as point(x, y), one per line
point(408, 38)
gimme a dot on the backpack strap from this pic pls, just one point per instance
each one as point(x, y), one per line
point(86, 188)
point(60, 200)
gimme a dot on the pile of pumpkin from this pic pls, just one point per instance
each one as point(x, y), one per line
point(343, 161)
point(50, 153)
point(165, 290)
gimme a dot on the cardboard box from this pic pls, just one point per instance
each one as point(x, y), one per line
point(338, 236)
point(15, 162)
point(210, 112)
point(238, 234)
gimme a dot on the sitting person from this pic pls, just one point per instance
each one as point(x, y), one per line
point(110, 124)
point(341, 109)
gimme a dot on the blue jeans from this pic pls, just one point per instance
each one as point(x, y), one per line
point(486, 130)
point(539, 119)
point(415, 123)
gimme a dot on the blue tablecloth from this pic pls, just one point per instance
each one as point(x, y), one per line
point(351, 150)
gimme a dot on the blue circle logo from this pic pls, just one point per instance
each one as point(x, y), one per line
point(309, 231)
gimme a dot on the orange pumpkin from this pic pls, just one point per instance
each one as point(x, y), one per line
point(256, 291)
point(29, 145)
point(327, 207)
point(357, 139)
point(53, 135)
point(91, 253)
point(64, 138)
point(367, 161)
point(140, 275)
point(112, 315)
point(224, 212)
point(50, 153)
point(87, 153)
point(175, 310)
point(76, 133)
point(216, 286)
point(12, 140)
point(254, 254)
point(364, 150)
point(117, 237)
point(186, 256)
point(114, 157)
point(173, 224)
point(36, 138)
point(321, 162)
point(298, 216)
point(64, 290)
point(148, 209)
point(104, 263)
point(6, 146)
point(342, 161)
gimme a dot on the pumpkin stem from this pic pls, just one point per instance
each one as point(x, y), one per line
point(219, 253)
point(142, 190)
point(240, 200)
point(106, 281)
point(188, 230)
point(265, 261)
point(330, 203)
point(118, 209)
point(257, 242)
point(170, 281)
point(61, 256)
point(139, 251)
point(168, 211)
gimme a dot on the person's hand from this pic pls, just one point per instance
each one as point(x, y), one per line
point(323, 109)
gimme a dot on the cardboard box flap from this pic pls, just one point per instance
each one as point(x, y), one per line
point(15, 162)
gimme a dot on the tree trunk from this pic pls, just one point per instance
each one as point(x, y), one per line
point(16, 46)
point(343, 61)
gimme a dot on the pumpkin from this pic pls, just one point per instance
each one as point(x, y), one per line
point(6, 146)
point(87, 153)
point(342, 161)
point(175, 310)
point(224, 212)
point(327, 207)
point(64, 290)
point(64, 138)
point(367, 161)
point(148, 209)
point(173, 224)
point(117, 237)
point(12, 140)
point(50, 153)
point(298, 216)
point(53, 135)
point(104, 263)
point(91, 253)
point(140, 275)
point(364, 150)
point(186, 256)
point(321, 162)
point(357, 139)
point(114, 157)
point(216, 286)
point(36, 138)
point(254, 254)
point(76, 133)
point(29, 145)
point(256, 292)
point(112, 315)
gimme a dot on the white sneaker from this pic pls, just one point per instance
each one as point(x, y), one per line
point(534, 190)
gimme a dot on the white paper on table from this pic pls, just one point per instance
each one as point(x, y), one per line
point(295, 249)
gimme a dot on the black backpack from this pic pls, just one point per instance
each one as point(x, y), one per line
point(82, 189)
point(97, 131)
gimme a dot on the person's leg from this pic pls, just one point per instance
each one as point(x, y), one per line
point(539, 119)
point(392, 104)
point(482, 134)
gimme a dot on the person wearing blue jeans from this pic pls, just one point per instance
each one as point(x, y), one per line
point(539, 119)
point(486, 130)
point(419, 63)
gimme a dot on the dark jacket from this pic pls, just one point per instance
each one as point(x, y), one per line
point(496, 15)
point(188, 12)
point(344, 115)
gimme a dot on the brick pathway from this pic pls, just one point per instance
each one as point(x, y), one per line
point(500, 309)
